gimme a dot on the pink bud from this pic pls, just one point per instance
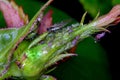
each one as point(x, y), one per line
point(109, 18)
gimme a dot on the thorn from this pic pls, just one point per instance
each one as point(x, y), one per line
point(103, 29)
point(97, 15)
point(83, 18)
point(71, 54)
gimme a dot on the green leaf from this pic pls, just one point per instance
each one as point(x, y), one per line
point(94, 6)
point(2, 21)
point(58, 58)
point(91, 62)
point(114, 2)
point(8, 39)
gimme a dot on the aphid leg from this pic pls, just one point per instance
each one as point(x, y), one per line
point(103, 29)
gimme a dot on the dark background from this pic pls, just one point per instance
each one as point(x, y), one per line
point(110, 42)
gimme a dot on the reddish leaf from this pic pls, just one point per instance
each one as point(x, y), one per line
point(46, 22)
point(14, 15)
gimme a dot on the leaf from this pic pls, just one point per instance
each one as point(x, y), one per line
point(83, 66)
point(46, 22)
point(115, 2)
point(2, 21)
point(16, 17)
point(8, 39)
point(95, 6)
point(58, 58)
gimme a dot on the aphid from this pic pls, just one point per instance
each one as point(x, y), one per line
point(99, 36)
point(75, 25)
point(57, 26)
point(52, 29)
point(39, 19)
point(74, 42)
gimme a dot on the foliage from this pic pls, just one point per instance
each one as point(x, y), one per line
point(95, 6)
point(28, 54)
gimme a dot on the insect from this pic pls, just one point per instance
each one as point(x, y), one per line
point(53, 29)
point(99, 36)
point(57, 26)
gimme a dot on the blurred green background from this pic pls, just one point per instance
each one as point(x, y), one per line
point(92, 60)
